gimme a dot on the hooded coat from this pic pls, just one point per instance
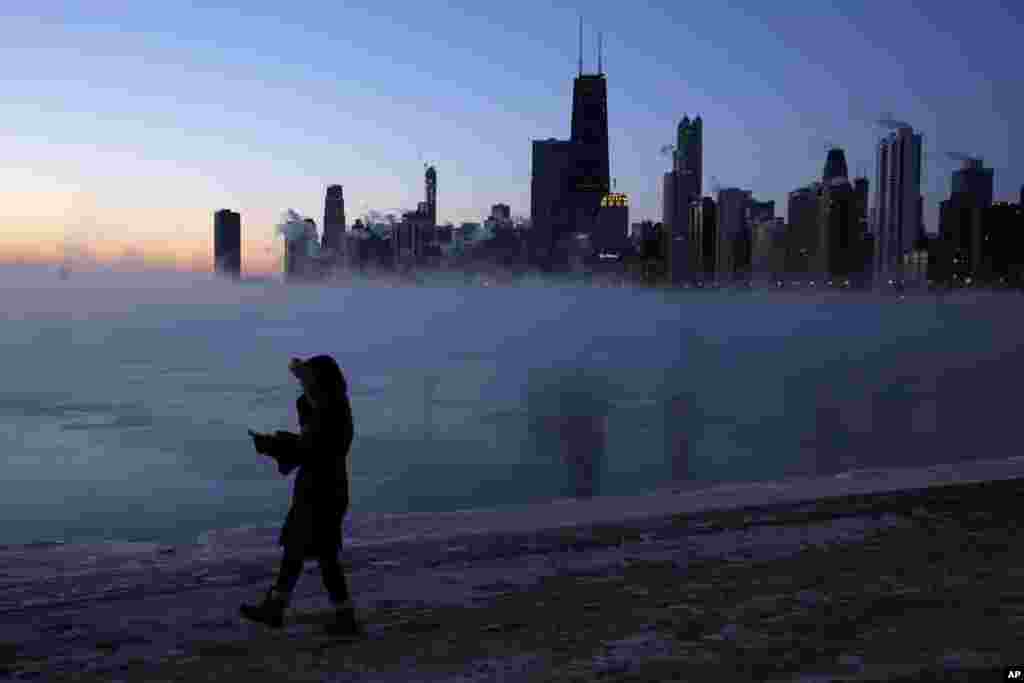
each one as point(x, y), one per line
point(320, 496)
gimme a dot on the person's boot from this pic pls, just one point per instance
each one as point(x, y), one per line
point(345, 624)
point(269, 612)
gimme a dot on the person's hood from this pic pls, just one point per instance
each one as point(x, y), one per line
point(327, 375)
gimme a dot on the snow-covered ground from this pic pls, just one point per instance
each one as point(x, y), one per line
point(63, 602)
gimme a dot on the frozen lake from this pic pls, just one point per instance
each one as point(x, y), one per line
point(126, 396)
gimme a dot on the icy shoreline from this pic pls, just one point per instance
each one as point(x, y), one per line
point(62, 605)
point(55, 576)
point(375, 529)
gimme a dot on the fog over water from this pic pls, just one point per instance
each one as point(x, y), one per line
point(126, 396)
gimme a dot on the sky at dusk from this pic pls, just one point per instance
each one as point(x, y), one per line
point(126, 124)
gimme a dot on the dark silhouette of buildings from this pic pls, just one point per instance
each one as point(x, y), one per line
point(826, 235)
point(300, 263)
point(898, 201)
point(974, 181)
point(227, 243)
point(611, 232)
point(414, 239)
point(735, 212)
point(835, 166)
point(703, 239)
point(801, 230)
point(333, 241)
point(430, 183)
point(649, 265)
point(979, 241)
point(570, 178)
point(591, 178)
point(551, 205)
point(768, 249)
point(681, 187)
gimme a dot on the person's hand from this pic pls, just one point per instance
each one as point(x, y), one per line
point(261, 442)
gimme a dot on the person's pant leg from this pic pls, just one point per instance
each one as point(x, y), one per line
point(334, 579)
point(291, 570)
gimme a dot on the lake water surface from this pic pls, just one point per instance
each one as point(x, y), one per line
point(126, 397)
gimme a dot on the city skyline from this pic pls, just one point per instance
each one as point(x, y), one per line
point(127, 148)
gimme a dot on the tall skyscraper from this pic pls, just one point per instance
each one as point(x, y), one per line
point(688, 157)
point(802, 235)
point(550, 200)
point(898, 201)
point(591, 175)
point(961, 250)
point(570, 178)
point(835, 167)
point(430, 182)
point(703, 240)
point(332, 240)
point(590, 179)
point(501, 212)
point(681, 187)
point(733, 213)
point(227, 243)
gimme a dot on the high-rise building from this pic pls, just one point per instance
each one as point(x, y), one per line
point(612, 224)
point(1003, 259)
point(839, 234)
point(332, 241)
point(688, 158)
point(681, 187)
point(551, 208)
point(430, 181)
point(768, 248)
point(835, 166)
point(898, 201)
point(826, 230)
point(302, 258)
point(733, 211)
point(590, 179)
point(962, 250)
point(227, 243)
point(703, 238)
point(334, 217)
point(958, 253)
point(589, 135)
point(975, 181)
point(840, 222)
point(570, 178)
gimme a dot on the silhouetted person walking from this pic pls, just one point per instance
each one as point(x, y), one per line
point(320, 497)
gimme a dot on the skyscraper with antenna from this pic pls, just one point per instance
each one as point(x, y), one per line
point(589, 131)
point(570, 178)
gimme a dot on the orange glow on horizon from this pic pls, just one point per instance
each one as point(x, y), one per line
point(187, 257)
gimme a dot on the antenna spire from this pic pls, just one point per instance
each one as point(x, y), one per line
point(599, 71)
point(581, 45)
